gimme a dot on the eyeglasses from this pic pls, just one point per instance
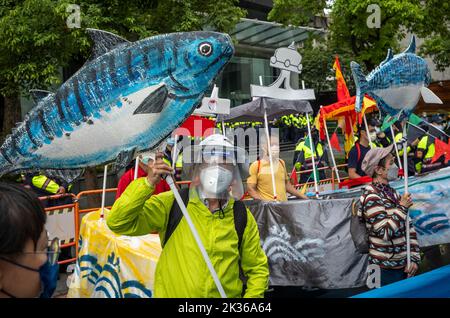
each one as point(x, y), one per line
point(53, 249)
point(52, 252)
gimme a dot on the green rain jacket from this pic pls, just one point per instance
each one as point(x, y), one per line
point(181, 270)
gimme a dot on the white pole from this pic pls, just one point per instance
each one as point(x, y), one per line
point(405, 173)
point(313, 153)
point(174, 153)
point(223, 128)
point(351, 124)
point(367, 131)
point(136, 167)
point(396, 148)
point(105, 174)
point(331, 149)
point(180, 202)
point(268, 146)
point(270, 155)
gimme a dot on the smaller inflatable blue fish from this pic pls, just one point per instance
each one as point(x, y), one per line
point(396, 84)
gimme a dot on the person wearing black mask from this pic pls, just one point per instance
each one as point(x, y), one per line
point(28, 260)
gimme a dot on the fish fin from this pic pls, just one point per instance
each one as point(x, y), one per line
point(67, 175)
point(123, 159)
point(361, 85)
point(154, 102)
point(39, 94)
point(429, 97)
point(389, 57)
point(104, 42)
point(412, 46)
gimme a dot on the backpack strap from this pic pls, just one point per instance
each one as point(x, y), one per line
point(240, 223)
point(240, 220)
point(175, 215)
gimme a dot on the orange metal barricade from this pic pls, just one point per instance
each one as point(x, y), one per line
point(79, 211)
point(60, 207)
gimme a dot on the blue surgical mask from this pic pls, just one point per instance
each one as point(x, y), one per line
point(48, 273)
point(49, 279)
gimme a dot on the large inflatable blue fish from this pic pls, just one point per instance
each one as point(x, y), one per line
point(396, 84)
point(127, 98)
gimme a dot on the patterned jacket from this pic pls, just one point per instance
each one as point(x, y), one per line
point(385, 221)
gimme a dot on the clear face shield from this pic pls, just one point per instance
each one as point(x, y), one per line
point(217, 172)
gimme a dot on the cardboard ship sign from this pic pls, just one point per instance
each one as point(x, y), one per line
point(287, 60)
point(397, 83)
point(126, 99)
point(213, 105)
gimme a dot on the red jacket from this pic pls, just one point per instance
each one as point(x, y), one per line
point(128, 177)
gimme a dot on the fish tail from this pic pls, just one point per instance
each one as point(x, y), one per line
point(361, 84)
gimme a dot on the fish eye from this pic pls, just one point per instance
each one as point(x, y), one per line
point(205, 48)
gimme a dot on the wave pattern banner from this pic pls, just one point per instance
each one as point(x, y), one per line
point(308, 243)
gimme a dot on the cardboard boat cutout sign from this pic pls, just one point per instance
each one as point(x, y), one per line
point(287, 60)
point(127, 98)
point(397, 83)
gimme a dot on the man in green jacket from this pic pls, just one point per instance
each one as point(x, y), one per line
point(181, 270)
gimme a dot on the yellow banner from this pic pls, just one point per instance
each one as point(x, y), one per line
point(113, 266)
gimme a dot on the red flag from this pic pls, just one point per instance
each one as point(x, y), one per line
point(294, 178)
point(341, 86)
point(334, 142)
point(441, 148)
point(196, 126)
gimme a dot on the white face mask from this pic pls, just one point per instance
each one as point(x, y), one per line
point(275, 152)
point(373, 136)
point(392, 173)
point(215, 179)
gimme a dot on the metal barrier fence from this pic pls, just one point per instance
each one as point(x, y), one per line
point(59, 219)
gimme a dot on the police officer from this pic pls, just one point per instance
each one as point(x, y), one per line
point(303, 156)
point(426, 150)
point(45, 186)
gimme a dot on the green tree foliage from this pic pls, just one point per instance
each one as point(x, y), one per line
point(296, 12)
point(436, 31)
point(369, 44)
point(318, 59)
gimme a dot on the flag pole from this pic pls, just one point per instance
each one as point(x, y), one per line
point(174, 153)
point(136, 167)
point(396, 148)
point(105, 175)
point(269, 146)
point(367, 131)
point(329, 145)
point(223, 129)
point(313, 153)
point(405, 173)
point(351, 124)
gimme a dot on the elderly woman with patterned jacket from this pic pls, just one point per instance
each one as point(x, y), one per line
point(384, 212)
